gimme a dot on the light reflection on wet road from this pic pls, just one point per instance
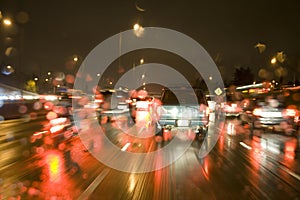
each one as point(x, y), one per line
point(237, 168)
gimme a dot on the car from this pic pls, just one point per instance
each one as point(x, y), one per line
point(113, 103)
point(139, 104)
point(232, 109)
point(276, 115)
point(183, 108)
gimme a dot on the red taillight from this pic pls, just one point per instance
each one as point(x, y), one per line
point(257, 112)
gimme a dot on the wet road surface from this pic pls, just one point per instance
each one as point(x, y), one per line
point(237, 167)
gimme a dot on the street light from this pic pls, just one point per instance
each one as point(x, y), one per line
point(136, 27)
point(138, 30)
point(273, 60)
point(7, 22)
point(75, 59)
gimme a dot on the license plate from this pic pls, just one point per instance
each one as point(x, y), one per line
point(182, 122)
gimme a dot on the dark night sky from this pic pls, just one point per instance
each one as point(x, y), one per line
point(228, 30)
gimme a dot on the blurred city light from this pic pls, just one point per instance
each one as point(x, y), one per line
point(136, 27)
point(138, 30)
point(7, 22)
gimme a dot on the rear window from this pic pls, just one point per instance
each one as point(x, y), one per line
point(182, 96)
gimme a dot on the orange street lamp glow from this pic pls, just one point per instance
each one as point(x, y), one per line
point(7, 22)
point(136, 27)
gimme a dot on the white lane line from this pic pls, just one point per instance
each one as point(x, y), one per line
point(293, 174)
point(245, 145)
point(94, 185)
point(126, 146)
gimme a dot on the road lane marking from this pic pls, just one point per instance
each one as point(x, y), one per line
point(287, 170)
point(293, 174)
point(245, 145)
point(126, 146)
point(90, 189)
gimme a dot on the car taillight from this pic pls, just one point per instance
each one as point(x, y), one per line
point(289, 113)
point(257, 112)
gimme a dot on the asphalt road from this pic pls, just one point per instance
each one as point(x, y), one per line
point(235, 167)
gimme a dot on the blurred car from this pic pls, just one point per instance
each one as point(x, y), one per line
point(275, 115)
point(113, 103)
point(63, 106)
point(184, 108)
point(232, 109)
point(139, 108)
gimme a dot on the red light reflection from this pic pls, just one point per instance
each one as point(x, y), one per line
point(54, 163)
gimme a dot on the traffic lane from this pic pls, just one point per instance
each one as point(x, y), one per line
point(15, 139)
point(248, 171)
point(19, 128)
point(269, 144)
point(277, 170)
point(229, 172)
point(49, 174)
point(187, 178)
point(26, 162)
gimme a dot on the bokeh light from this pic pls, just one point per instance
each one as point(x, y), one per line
point(70, 78)
point(22, 109)
point(51, 115)
point(7, 70)
point(281, 72)
point(59, 76)
point(48, 105)
point(37, 105)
